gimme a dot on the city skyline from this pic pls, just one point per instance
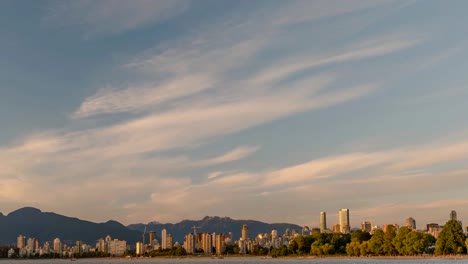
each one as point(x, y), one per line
point(177, 109)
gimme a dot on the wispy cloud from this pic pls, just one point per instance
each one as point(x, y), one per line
point(235, 154)
point(113, 100)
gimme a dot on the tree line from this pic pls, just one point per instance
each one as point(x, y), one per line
point(404, 242)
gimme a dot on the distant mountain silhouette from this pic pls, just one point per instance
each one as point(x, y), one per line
point(31, 222)
point(215, 224)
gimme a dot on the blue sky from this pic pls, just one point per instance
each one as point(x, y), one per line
point(271, 110)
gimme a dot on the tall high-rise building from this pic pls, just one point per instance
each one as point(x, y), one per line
point(21, 241)
point(343, 217)
point(245, 232)
point(139, 248)
point(213, 239)
point(101, 245)
point(410, 223)
point(274, 234)
point(57, 246)
point(163, 239)
point(30, 243)
point(169, 241)
point(220, 244)
point(323, 221)
point(206, 243)
point(453, 215)
point(189, 243)
point(366, 226)
point(152, 237)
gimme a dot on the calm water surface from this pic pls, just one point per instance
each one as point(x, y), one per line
point(240, 261)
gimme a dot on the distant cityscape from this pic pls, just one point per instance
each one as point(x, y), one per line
point(205, 243)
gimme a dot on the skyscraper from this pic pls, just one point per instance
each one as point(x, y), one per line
point(366, 226)
point(163, 239)
point(343, 217)
point(245, 232)
point(21, 241)
point(169, 242)
point(323, 221)
point(152, 237)
point(220, 244)
point(410, 223)
point(206, 243)
point(189, 243)
point(453, 215)
point(57, 246)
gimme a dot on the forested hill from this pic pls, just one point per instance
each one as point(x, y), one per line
point(215, 224)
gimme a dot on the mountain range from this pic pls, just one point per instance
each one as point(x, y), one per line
point(46, 226)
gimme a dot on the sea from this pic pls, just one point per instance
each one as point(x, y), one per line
point(240, 261)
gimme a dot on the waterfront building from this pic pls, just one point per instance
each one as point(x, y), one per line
point(153, 237)
point(163, 239)
point(213, 239)
point(78, 248)
point(169, 241)
point(366, 226)
point(323, 221)
point(220, 244)
point(206, 243)
point(11, 253)
point(117, 247)
point(139, 249)
point(410, 223)
point(189, 243)
point(101, 245)
point(343, 217)
point(31, 244)
point(245, 232)
point(21, 242)
point(274, 234)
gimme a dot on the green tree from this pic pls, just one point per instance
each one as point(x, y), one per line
point(360, 235)
point(451, 239)
point(354, 248)
point(328, 249)
point(364, 248)
point(293, 246)
point(399, 242)
point(375, 244)
point(389, 235)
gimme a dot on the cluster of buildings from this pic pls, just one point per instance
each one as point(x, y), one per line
point(30, 246)
point(166, 243)
point(215, 244)
point(343, 225)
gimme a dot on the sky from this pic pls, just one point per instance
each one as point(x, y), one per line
point(271, 110)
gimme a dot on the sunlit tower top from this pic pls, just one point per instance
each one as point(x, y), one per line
point(323, 221)
point(411, 223)
point(343, 217)
point(453, 215)
point(245, 232)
